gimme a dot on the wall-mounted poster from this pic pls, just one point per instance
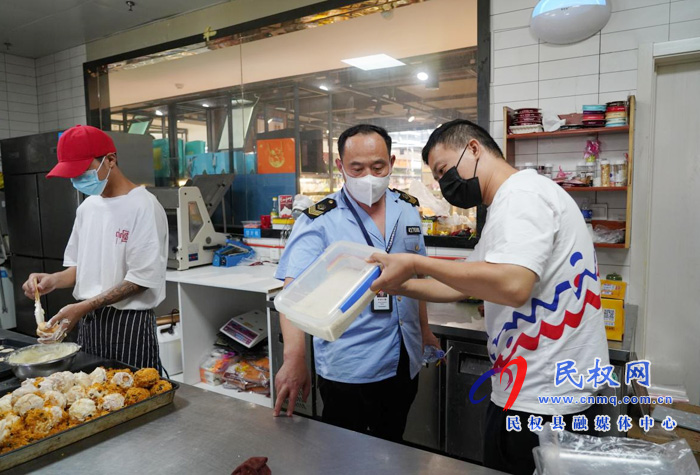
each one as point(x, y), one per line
point(276, 156)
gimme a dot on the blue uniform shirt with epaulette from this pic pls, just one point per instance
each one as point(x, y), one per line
point(369, 349)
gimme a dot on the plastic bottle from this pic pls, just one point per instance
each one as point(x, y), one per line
point(586, 211)
point(604, 172)
point(274, 213)
point(588, 218)
point(596, 175)
point(431, 354)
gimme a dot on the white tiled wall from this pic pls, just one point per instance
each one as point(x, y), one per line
point(18, 102)
point(60, 89)
point(43, 94)
point(561, 79)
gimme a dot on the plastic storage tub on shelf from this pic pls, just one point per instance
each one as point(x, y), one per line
point(327, 297)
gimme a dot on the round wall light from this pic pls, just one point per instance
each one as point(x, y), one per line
point(569, 21)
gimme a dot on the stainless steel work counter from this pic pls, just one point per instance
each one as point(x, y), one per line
point(203, 432)
point(461, 321)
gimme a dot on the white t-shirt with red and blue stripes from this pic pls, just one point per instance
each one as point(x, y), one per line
point(535, 224)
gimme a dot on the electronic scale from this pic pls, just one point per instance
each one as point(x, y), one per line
point(248, 329)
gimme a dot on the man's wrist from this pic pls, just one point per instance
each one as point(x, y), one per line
point(295, 355)
point(87, 306)
point(417, 261)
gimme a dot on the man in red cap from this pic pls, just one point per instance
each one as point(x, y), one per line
point(115, 259)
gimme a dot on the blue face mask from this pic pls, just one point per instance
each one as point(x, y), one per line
point(89, 183)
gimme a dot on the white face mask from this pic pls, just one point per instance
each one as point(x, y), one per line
point(367, 189)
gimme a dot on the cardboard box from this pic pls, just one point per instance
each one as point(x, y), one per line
point(613, 289)
point(285, 204)
point(614, 317)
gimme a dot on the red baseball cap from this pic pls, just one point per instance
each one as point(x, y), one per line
point(78, 147)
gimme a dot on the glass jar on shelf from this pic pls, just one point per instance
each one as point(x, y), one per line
point(604, 172)
point(618, 173)
point(548, 170)
point(582, 172)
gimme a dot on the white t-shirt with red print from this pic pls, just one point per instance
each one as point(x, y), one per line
point(117, 239)
point(535, 224)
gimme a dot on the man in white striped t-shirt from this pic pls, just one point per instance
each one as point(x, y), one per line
point(115, 259)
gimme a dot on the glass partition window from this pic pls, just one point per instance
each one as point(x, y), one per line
point(270, 104)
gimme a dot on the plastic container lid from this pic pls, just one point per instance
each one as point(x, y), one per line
point(327, 297)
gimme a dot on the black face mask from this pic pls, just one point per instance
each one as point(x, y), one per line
point(458, 191)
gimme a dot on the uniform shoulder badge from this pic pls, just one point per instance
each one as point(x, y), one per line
point(320, 208)
point(412, 200)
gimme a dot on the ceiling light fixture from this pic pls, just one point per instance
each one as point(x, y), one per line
point(205, 105)
point(323, 87)
point(159, 112)
point(423, 76)
point(410, 117)
point(269, 121)
point(374, 61)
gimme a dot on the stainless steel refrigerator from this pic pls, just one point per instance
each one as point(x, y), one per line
point(41, 211)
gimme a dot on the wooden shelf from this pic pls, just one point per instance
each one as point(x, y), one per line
point(570, 133)
point(627, 131)
point(610, 225)
point(594, 188)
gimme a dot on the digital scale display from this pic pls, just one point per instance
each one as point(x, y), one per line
point(247, 329)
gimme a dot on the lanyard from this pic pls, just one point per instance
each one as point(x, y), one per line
point(390, 243)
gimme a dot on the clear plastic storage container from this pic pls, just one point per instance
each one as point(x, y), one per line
point(327, 297)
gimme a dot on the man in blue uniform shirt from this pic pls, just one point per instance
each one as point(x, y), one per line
point(368, 378)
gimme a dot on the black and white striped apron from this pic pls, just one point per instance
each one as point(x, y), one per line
point(128, 336)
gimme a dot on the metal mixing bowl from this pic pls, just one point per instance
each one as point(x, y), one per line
point(45, 368)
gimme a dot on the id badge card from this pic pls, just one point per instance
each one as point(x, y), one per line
point(382, 302)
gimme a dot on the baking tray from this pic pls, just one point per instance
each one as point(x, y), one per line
point(87, 429)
